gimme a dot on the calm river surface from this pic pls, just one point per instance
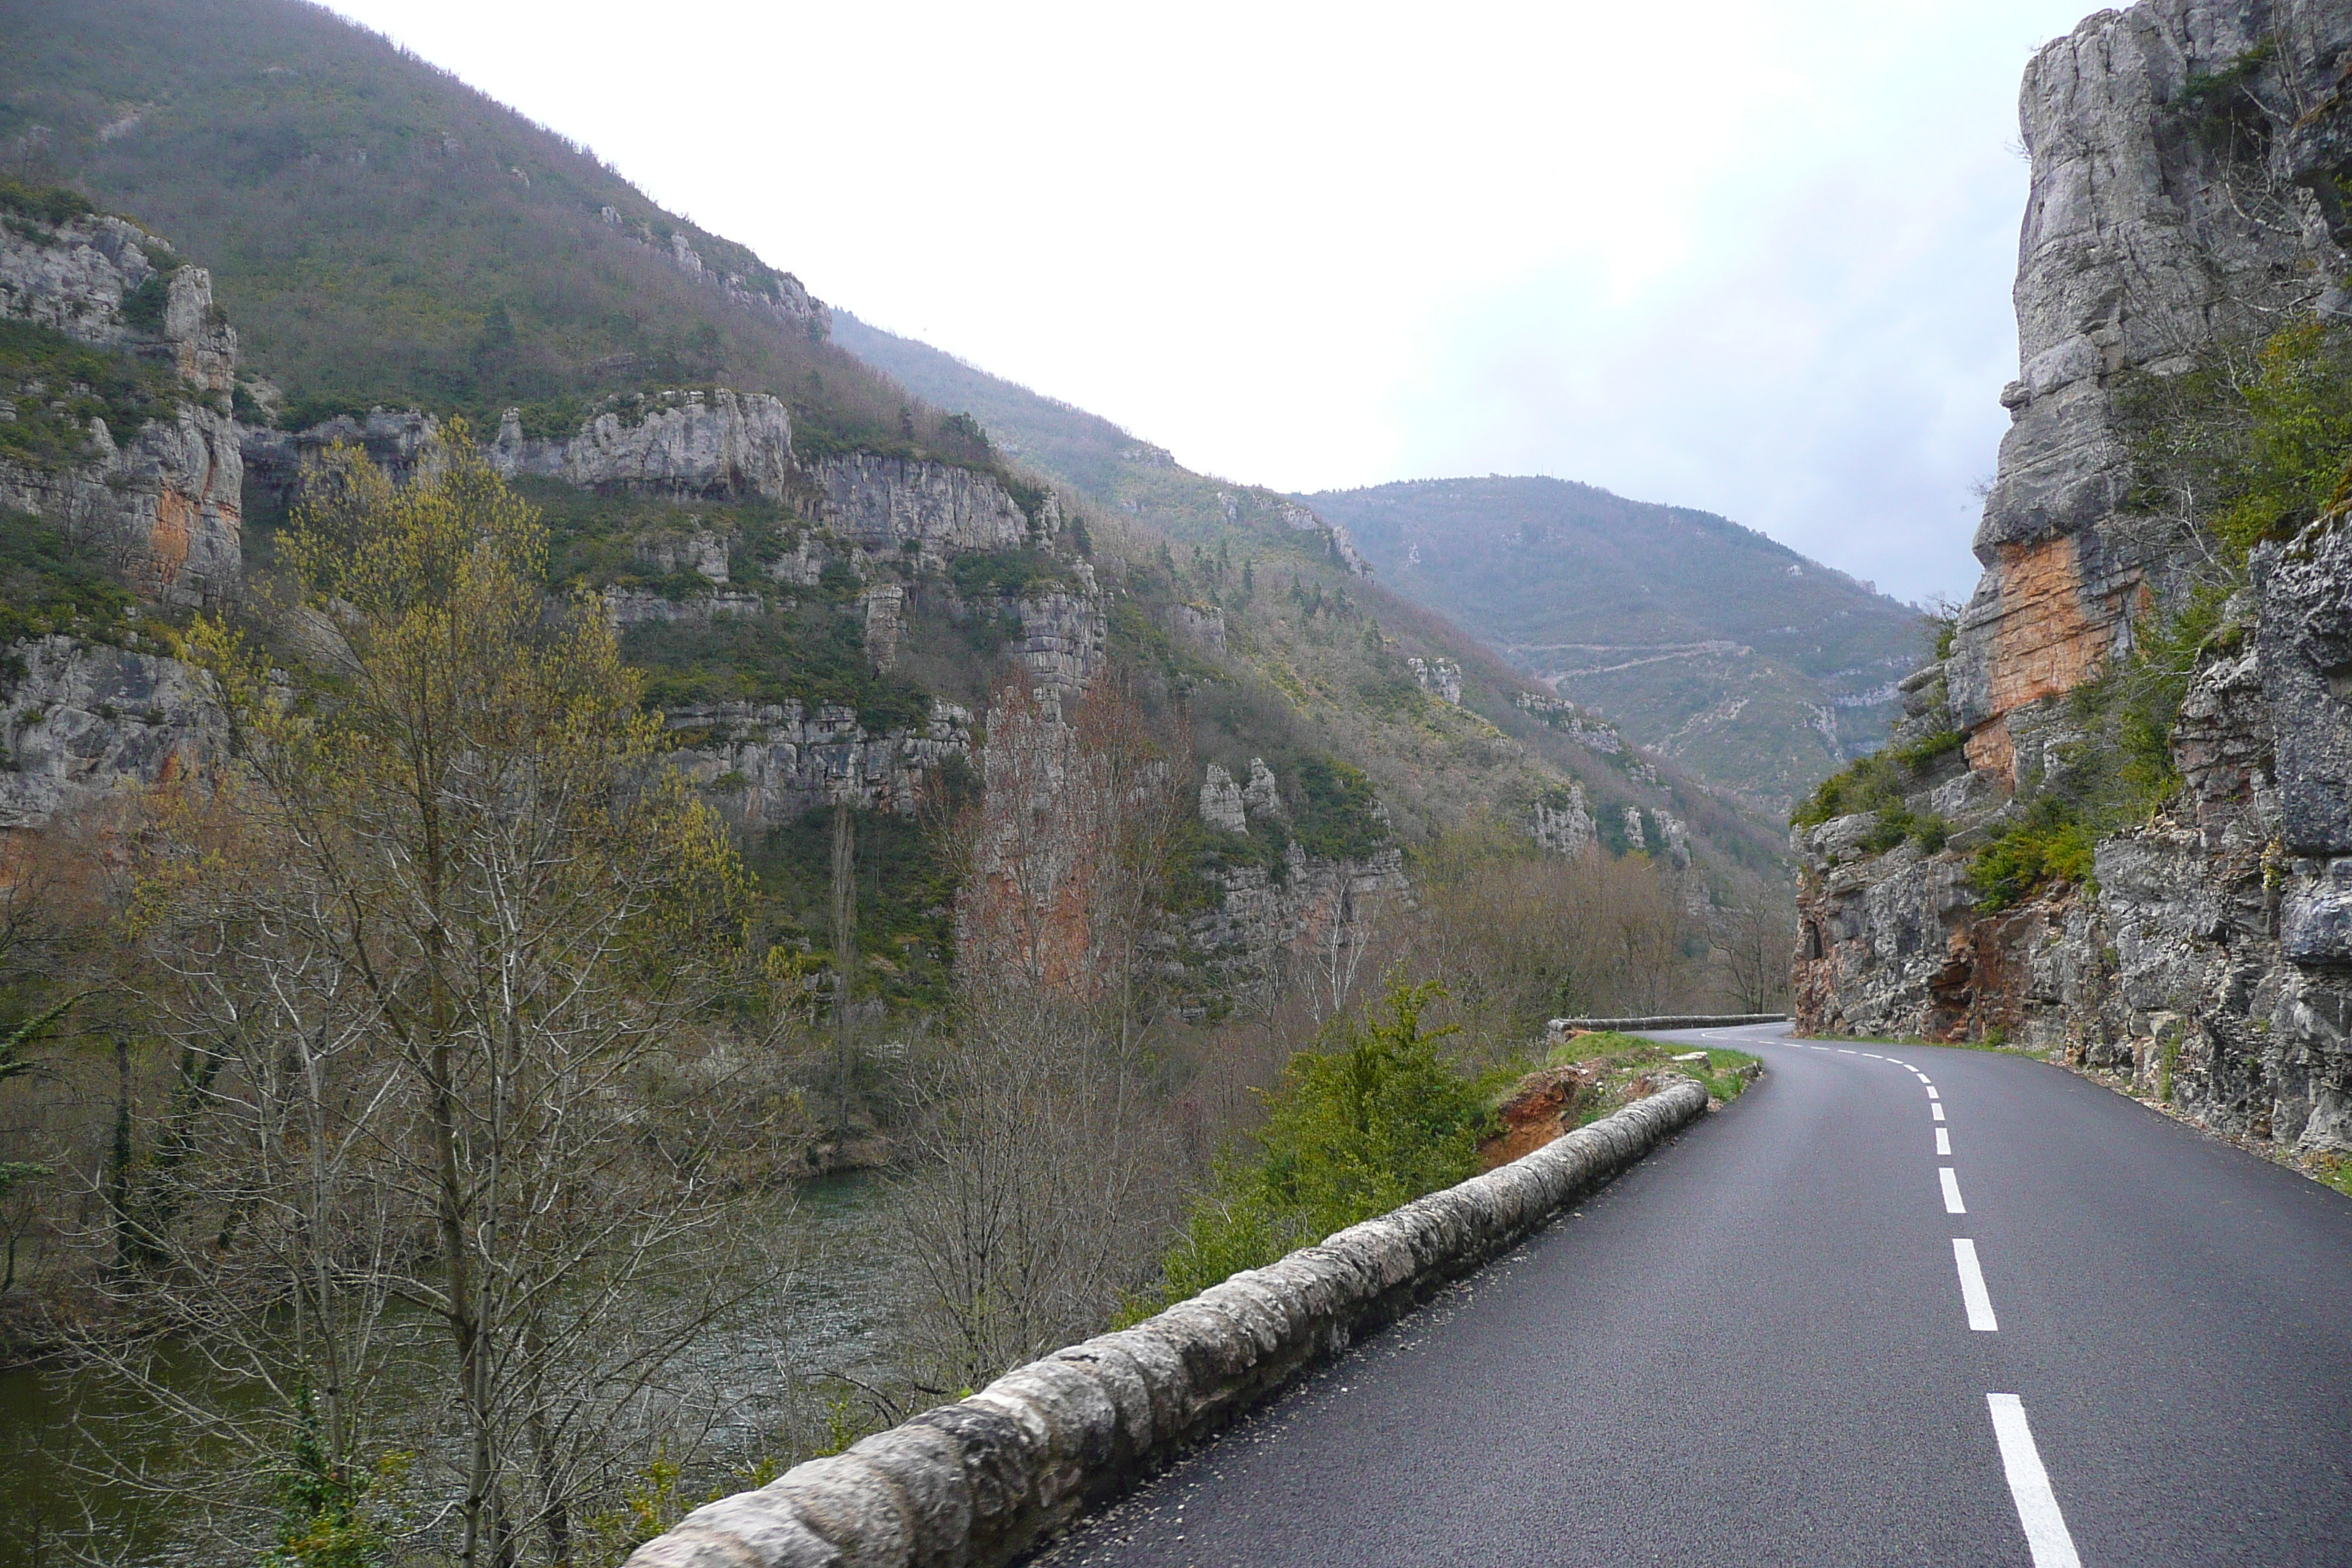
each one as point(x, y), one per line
point(835, 1314)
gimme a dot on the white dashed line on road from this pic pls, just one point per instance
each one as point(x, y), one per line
point(1952, 1204)
point(1938, 1110)
point(1932, 1094)
point(2029, 1484)
point(1973, 1294)
point(1944, 1140)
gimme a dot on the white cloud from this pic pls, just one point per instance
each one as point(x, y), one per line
point(1753, 258)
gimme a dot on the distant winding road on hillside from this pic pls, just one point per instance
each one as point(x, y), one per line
point(1896, 1305)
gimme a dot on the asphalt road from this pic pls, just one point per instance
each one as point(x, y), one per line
point(1756, 1348)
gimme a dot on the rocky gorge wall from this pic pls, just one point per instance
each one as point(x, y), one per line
point(2207, 955)
point(80, 721)
point(163, 501)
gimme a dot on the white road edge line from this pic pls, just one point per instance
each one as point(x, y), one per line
point(1952, 1204)
point(1938, 1110)
point(2029, 1486)
point(1973, 1294)
point(1944, 1140)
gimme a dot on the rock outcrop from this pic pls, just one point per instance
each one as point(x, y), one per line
point(2183, 194)
point(688, 443)
point(763, 766)
point(933, 511)
point(80, 721)
point(163, 500)
point(1563, 825)
point(2186, 192)
point(1440, 677)
point(777, 295)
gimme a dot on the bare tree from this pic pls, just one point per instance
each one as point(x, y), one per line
point(1756, 942)
point(1045, 1186)
point(416, 1044)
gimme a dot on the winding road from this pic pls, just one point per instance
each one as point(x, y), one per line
point(1898, 1304)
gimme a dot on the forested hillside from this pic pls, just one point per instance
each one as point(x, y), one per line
point(1743, 660)
point(1749, 665)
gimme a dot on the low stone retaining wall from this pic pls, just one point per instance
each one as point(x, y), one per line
point(981, 1482)
point(1672, 1021)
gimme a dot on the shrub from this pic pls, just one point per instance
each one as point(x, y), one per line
point(2052, 844)
point(1350, 1133)
point(1878, 783)
point(49, 585)
point(1338, 810)
point(80, 382)
point(50, 203)
point(1017, 572)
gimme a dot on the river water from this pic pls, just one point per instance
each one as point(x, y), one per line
point(836, 1313)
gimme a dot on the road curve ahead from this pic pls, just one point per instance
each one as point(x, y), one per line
point(1898, 1304)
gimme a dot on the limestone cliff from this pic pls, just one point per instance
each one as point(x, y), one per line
point(2163, 216)
point(161, 495)
point(764, 766)
point(683, 442)
point(2187, 192)
point(80, 720)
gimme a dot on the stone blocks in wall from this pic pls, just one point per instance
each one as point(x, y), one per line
point(988, 1479)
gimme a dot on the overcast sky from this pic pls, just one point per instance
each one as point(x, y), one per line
point(1749, 255)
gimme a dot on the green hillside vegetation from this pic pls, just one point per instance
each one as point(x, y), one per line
point(1616, 602)
point(382, 233)
point(1602, 572)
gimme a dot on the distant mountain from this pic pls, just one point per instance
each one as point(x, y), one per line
point(1132, 477)
point(1747, 663)
point(1754, 667)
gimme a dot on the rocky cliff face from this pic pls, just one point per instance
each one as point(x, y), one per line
point(80, 721)
point(2166, 213)
point(163, 499)
point(719, 443)
point(2186, 189)
point(764, 766)
point(935, 510)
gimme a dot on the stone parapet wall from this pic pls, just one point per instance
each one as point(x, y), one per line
point(990, 1479)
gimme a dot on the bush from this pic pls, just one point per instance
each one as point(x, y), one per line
point(50, 203)
point(49, 585)
point(1017, 572)
point(1337, 816)
point(1349, 1134)
point(78, 383)
point(2052, 844)
point(1878, 783)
